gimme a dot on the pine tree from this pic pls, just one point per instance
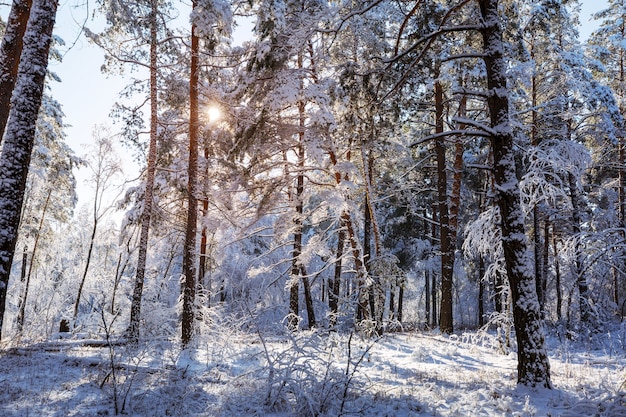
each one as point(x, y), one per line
point(20, 133)
point(532, 360)
point(10, 52)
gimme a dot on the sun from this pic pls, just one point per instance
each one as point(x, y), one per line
point(213, 113)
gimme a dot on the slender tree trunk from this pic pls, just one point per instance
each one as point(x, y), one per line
point(308, 298)
point(189, 252)
point(427, 296)
point(204, 240)
point(433, 275)
point(361, 272)
point(481, 292)
point(427, 292)
point(22, 311)
point(447, 251)
point(376, 293)
point(296, 268)
point(621, 174)
point(119, 272)
point(532, 360)
point(10, 52)
point(146, 214)
point(92, 240)
point(334, 285)
point(545, 258)
point(433, 300)
point(536, 235)
point(400, 301)
point(581, 280)
point(557, 277)
point(617, 271)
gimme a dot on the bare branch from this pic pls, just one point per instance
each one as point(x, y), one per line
point(457, 132)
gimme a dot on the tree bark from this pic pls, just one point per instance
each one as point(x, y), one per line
point(334, 285)
point(433, 275)
point(481, 292)
point(532, 360)
point(146, 214)
point(581, 280)
point(447, 252)
point(297, 268)
point(557, 277)
point(371, 230)
point(536, 236)
point(20, 133)
point(10, 52)
point(189, 251)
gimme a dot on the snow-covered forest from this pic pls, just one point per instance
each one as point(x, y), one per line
point(366, 207)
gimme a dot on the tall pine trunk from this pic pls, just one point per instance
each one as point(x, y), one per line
point(532, 360)
point(581, 280)
point(146, 214)
point(20, 133)
point(447, 252)
point(297, 269)
point(189, 250)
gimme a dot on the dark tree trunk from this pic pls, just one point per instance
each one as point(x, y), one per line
point(545, 258)
point(361, 272)
point(537, 245)
point(447, 250)
point(617, 271)
point(400, 301)
point(334, 285)
point(433, 300)
point(581, 280)
point(20, 133)
point(189, 251)
point(433, 275)
point(481, 292)
point(10, 52)
point(427, 296)
point(376, 293)
point(308, 298)
point(557, 277)
point(92, 241)
point(297, 269)
point(536, 236)
point(532, 360)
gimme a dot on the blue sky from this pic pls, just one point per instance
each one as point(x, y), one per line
point(87, 95)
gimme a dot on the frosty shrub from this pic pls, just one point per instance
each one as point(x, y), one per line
point(305, 374)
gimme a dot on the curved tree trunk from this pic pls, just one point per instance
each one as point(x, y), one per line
point(532, 360)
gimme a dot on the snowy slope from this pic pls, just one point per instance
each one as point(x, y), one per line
point(228, 374)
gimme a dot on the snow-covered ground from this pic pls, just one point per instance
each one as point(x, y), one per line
point(311, 373)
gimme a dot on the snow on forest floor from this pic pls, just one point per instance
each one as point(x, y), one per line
point(311, 373)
